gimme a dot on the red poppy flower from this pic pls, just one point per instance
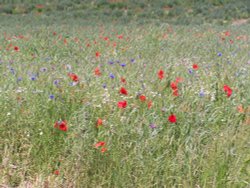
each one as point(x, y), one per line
point(97, 71)
point(61, 125)
point(175, 92)
point(173, 85)
point(65, 41)
point(99, 122)
point(56, 172)
point(123, 91)
point(142, 98)
point(172, 118)
point(73, 77)
point(228, 90)
point(21, 37)
point(150, 104)
point(120, 37)
point(106, 38)
point(161, 74)
point(123, 80)
point(76, 40)
point(104, 150)
point(39, 6)
point(122, 104)
point(195, 66)
point(227, 33)
point(97, 54)
point(98, 144)
point(240, 109)
point(16, 48)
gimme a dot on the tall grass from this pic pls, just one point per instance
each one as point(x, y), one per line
point(208, 146)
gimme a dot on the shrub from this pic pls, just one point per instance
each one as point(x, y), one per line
point(8, 9)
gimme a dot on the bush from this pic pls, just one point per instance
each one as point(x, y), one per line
point(177, 11)
point(7, 9)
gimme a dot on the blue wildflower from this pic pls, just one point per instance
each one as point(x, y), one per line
point(33, 78)
point(111, 76)
point(56, 82)
point(152, 126)
point(219, 54)
point(52, 97)
point(111, 62)
point(202, 94)
point(123, 64)
point(12, 70)
point(43, 69)
point(19, 79)
point(190, 71)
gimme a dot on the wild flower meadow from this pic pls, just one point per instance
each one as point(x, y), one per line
point(124, 106)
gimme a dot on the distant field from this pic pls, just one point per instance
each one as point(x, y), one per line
point(88, 104)
point(171, 11)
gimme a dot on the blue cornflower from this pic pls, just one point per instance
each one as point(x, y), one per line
point(132, 60)
point(104, 86)
point(56, 82)
point(43, 69)
point(202, 94)
point(12, 70)
point(33, 78)
point(19, 79)
point(111, 76)
point(52, 97)
point(111, 62)
point(190, 71)
point(123, 64)
point(219, 54)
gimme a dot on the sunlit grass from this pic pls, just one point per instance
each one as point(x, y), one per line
point(208, 146)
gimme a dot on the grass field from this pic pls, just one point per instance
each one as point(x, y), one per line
point(172, 11)
point(85, 104)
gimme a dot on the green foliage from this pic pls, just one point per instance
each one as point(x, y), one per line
point(8, 9)
point(207, 147)
point(178, 12)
